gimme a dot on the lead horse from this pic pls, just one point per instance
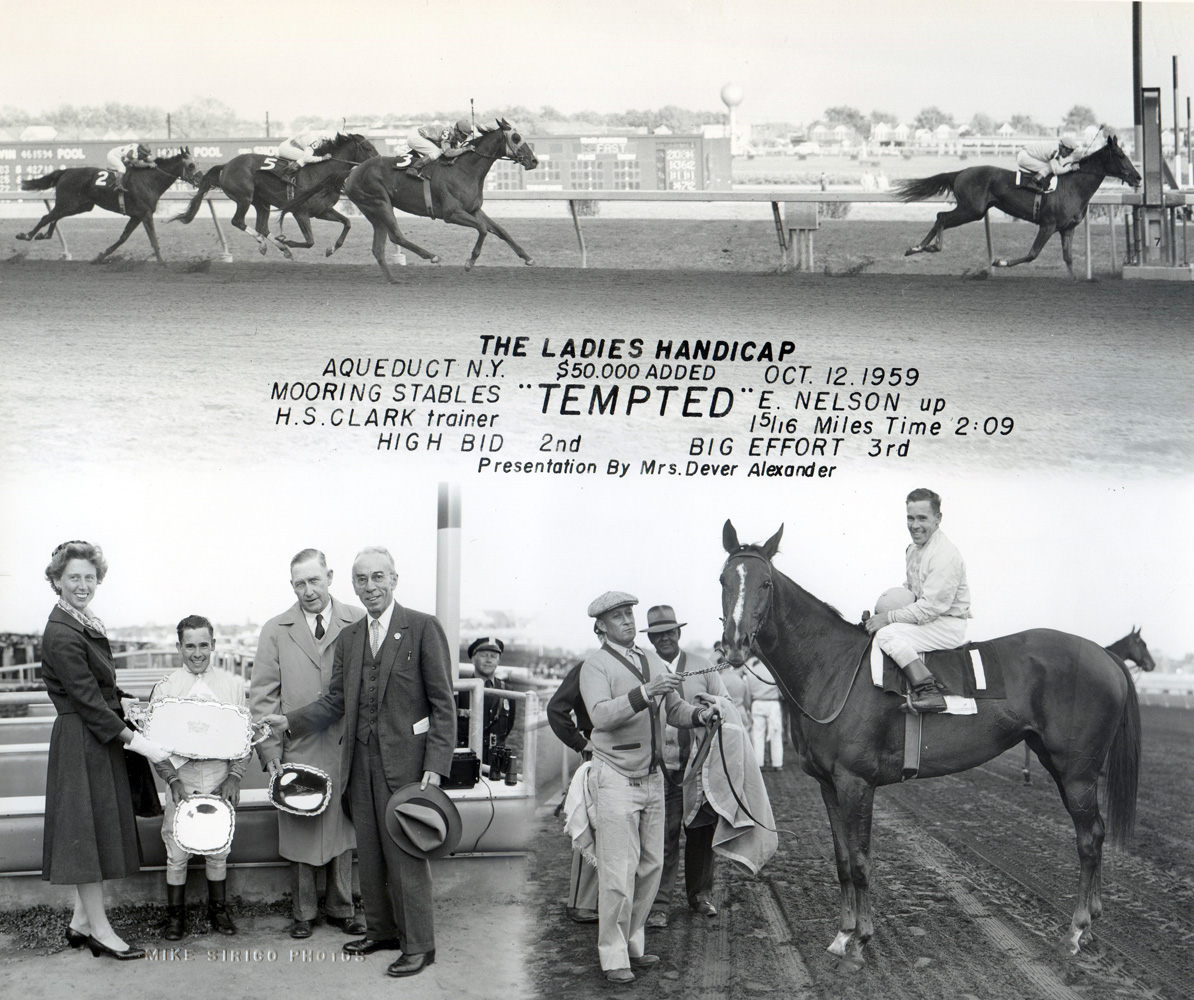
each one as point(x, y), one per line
point(249, 179)
point(978, 189)
point(455, 189)
point(80, 189)
point(1072, 702)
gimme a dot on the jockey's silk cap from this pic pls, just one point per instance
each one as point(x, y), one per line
point(661, 618)
point(464, 125)
point(485, 642)
point(894, 597)
point(609, 600)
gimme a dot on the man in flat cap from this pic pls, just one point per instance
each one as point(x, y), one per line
point(486, 653)
point(663, 631)
point(629, 693)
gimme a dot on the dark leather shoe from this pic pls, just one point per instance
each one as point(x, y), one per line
point(75, 939)
point(705, 908)
point(300, 929)
point(580, 915)
point(657, 920)
point(409, 965)
point(129, 953)
point(619, 976)
point(349, 925)
point(365, 946)
point(643, 961)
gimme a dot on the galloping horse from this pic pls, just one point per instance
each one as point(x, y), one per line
point(1067, 697)
point(979, 188)
point(248, 180)
point(1130, 647)
point(80, 189)
point(455, 189)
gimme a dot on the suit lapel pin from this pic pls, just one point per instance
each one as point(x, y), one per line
point(397, 636)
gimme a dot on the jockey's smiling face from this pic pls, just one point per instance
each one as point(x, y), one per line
point(922, 522)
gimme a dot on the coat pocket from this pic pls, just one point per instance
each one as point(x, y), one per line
point(628, 746)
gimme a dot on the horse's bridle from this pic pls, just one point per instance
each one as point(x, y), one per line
point(760, 615)
point(509, 153)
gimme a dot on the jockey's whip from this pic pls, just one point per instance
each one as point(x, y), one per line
point(472, 114)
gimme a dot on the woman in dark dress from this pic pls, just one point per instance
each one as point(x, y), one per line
point(90, 830)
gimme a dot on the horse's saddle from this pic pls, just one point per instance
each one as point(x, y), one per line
point(280, 168)
point(1031, 182)
point(970, 671)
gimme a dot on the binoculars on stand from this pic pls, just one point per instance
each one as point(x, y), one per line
point(502, 761)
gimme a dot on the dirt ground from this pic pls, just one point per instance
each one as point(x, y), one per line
point(974, 878)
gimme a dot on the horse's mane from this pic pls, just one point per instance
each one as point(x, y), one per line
point(338, 142)
point(757, 550)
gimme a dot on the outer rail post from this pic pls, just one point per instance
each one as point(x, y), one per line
point(580, 237)
point(226, 254)
point(1086, 228)
point(1111, 218)
point(65, 255)
point(783, 242)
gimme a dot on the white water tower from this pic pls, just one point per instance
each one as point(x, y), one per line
point(731, 97)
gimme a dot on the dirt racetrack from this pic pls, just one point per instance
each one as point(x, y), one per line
point(974, 876)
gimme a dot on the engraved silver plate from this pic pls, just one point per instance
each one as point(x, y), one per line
point(204, 824)
point(199, 729)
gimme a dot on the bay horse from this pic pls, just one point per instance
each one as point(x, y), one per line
point(248, 180)
point(1130, 648)
point(1072, 702)
point(456, 189)
point(80, 189)
point(978, 189)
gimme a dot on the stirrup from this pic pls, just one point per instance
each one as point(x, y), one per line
point(935, 700)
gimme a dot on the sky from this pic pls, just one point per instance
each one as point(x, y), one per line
point(791, 58)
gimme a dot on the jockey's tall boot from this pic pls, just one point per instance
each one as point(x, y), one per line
point(176, 912)
point(415, 169)
point(217, 908)
point(925, 696)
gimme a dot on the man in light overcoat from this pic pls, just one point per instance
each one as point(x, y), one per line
point(293, 666)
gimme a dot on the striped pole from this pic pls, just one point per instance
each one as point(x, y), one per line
point(447, 570)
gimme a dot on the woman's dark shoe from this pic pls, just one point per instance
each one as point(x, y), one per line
point(99, 948)
point(75, 939)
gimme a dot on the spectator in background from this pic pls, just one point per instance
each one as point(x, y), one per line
point(498, 713)
point(765, 713)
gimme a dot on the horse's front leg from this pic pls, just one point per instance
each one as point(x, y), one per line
point(847, 917)
point(1067, 250)
point(147, 222)
point(1042, 237)
point(128, 231)
point(505, 236)
point(331, 215)
point(459, 217)
point(856, 798)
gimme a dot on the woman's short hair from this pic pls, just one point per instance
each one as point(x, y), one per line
point(76, 549)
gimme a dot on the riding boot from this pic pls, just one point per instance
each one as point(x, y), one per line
point(176, 912)
point(217, 909)
point(925, 696)
point(415, 168)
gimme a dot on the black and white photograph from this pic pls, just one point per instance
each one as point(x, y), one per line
point(676, 500)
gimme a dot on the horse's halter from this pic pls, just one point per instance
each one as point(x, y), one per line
point(759, 616)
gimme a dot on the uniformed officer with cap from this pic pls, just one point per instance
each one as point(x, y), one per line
point(629, 694)
point(486, 653)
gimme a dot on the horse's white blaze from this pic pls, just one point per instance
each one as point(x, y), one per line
point(740, 604)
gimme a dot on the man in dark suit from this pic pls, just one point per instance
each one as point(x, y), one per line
point(391, 683)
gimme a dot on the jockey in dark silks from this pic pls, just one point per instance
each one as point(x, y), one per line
point(432, 142)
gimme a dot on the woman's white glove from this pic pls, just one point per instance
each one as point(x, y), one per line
point(147, 748)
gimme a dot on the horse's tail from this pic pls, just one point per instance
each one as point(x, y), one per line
point(44, 182)
point(209, 180)
point(332, 184)
point(1123, 769)
point(925, 187)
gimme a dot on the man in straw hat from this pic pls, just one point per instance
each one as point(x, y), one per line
point(628, 692)
point(663, 631)
point(293, 666)
point(391, 685)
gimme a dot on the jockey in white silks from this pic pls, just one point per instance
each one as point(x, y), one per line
point(135, 155)
point(300, 149)
point(431, 142)
point(1050, 157)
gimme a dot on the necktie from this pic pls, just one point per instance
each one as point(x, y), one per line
point(375, 635)
point(320, 632)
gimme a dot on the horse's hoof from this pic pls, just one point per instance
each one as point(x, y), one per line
point(434, 259)
point(999, 263)
point(329, 251)
point(911, 250)
point(468, 266)
point(846, 963)
point(42, 236)
point(263, 249)
point(530, 262)
point(837, 947)
point(22, 236)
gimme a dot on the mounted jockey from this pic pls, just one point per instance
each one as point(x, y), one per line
point(936, 576)
point(300, 149)
point(431, 142)
point(1049, 157)
point(133, 155)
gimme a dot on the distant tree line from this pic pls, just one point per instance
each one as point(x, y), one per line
point(209, 117)
point(1076, 119)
